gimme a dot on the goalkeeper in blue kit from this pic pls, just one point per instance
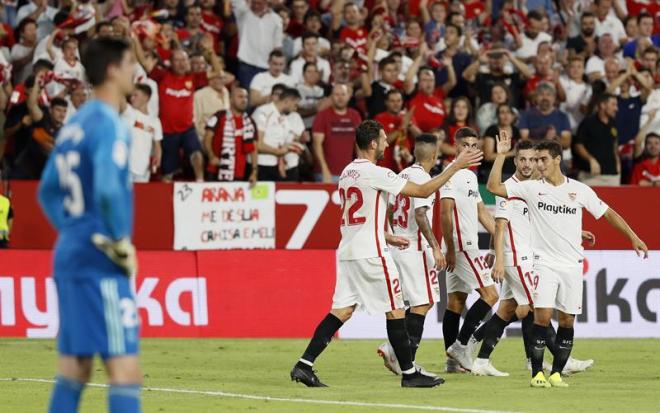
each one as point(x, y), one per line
point(87, 195)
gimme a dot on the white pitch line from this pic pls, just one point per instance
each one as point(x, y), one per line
point(282, 399)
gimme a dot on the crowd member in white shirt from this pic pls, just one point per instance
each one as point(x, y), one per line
point(298, 137)
point(259, 32)
point(42, 13)
point(311, 94)
point(596, 64)
point(263, 83)
point(528, 41)
point(67, 64)
point(607, 22)
point(77, 97)
point(274, 133)
point(146, 135)
point(309, 54)
point(209, 100)
point(23, 51)
point(578, 92)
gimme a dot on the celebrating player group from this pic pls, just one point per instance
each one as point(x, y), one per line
point(390, 261)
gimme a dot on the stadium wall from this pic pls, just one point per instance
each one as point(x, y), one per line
point(284, 293)
point(306, 217)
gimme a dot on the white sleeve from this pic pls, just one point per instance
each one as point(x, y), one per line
point(448, 190)
point(592, 203)
point(384, 179)
point(158, 133)
point(296, 123)
point(260, 118)
point(420, 179)
point(517, 189)
point(256, 83)
point(501, 208)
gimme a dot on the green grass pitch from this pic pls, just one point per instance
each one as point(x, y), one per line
point(625, 378)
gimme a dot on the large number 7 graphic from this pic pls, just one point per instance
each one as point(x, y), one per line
point(352, 194)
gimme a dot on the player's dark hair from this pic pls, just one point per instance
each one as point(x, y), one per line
point(385, 62)
point(553, 147)
point(523, 145)
point(100, 54)
point(426, 138)
point(290, 93)
point(144, 88)
point(466, 132)
point(58, 101)
point(278, 88)
point(369, 130)
point(275, 53)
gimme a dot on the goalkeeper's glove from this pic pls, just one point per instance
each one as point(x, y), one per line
point(121, 252)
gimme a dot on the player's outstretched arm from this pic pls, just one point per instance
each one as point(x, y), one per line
point(465, 159)
point(495, 184)
point(622, 226)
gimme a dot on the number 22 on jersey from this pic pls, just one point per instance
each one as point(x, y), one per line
point(351, 202)
point(74, 203)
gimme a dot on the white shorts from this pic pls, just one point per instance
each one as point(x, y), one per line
point(470, 273)
point(519, 283)
point(560, 288)
point(371, 283)
point(419, 279)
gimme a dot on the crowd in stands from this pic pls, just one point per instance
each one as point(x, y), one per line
point(273, 90)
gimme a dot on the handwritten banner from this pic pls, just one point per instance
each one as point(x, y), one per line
point(230, 215)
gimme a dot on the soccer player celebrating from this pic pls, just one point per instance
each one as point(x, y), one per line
point(461, 210)
point(87, 194)
point(514, 260)
point(555, 205)
point(418, 263)
point(366, 274)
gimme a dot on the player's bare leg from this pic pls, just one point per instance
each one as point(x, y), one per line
point(72, 375)
point(125, 377)
point(459, 350)
point(302, 372)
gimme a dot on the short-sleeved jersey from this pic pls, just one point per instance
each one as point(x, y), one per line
point(463, 188)
point(86, 188)
point(403, 219)
point(556, 216)
point(363, 190)
point(518, 233)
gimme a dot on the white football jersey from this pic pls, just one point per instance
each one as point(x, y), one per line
point(556, 217)
point(364, 189)
point(518, 233)
point(403, 217)
point(463, 188)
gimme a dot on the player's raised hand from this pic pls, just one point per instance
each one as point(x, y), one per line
point(121, 252)
point(589, 237)
point(439, 258)
point(469, 158)
point(640, 248)
point(498, 272)
point(503, 142)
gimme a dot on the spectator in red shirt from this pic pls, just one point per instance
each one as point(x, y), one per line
point(190, 36)
point(211, 21)
point(460, 116)
point(296, 25)
point(228, 157)
point(544, 73)
point(353, 34)
point(429, 109)
point(647, 171)
point(176, 87)
point(333, 134)
point(395, 122)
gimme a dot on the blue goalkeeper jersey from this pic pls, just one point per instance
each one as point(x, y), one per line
point(86, 188)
